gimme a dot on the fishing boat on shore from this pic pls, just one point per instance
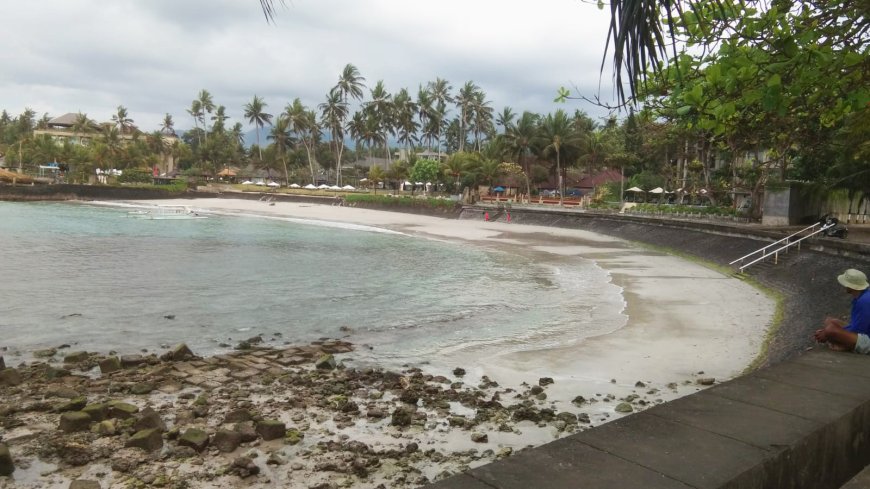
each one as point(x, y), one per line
point(166, 213)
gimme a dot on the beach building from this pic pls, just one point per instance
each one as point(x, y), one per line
point(77, 129)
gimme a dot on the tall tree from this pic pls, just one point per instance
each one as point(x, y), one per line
point(303, 123)
point(380, 109)
point(440, 93)
point(207, 104)
point(168, 125)
point(122, 120)
point(282, 141)
point(520, 137)
point(350, 85)
point(333, 114)
point(406, 126)
point(556, 135)
point(255, 112)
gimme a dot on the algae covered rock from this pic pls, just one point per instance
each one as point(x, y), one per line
point(75, 421)
point(148, 440)
point(326, 362)
point(624, 407)
point(227, 441)
point(109, 365)
point(122, 410)
point(270, 429)
point(10, 377)
point(6, 464)
point(75, 357)
point(194, 438)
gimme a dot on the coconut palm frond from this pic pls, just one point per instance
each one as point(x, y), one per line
point(269, 9)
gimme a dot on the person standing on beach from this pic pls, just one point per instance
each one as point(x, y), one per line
point(854, 336)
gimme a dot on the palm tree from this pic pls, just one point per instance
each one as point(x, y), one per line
point(404, 111)
point(376, 176)
point(505, 118)
point(168, 125)
point(333, 113)
point(424, 112)
point(207, 105)
point(440, 91)
point(282, 140)
point(122, 120)
point(219, 119)
point(520, 138)
point(464, 102)
point(82, 125)
point(255, 112)
point(481, 122)
point(195, 111)
point(350, 84)
point(303, 123)
point(380, 109)
point(556, 135)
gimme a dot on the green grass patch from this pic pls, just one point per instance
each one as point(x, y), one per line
point(401, 201)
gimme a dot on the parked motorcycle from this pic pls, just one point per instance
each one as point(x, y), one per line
point(833, 227)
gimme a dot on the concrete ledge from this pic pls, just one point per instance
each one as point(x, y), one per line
point(803, 423)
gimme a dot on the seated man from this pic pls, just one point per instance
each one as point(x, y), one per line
point(854, 336)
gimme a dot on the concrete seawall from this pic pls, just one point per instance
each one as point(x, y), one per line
point(802, 421)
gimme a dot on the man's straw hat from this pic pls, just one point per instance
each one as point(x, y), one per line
point(853, 279)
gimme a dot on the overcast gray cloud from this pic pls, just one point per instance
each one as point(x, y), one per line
point(153, 56)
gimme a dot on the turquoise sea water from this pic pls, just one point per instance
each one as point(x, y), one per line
point(95, 278)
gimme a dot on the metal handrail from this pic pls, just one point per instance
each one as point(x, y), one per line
point(775, 252)
point(760, 250)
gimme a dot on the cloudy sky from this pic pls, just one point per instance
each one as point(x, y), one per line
point(153, 56)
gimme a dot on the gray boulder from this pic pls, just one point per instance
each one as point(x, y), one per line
point(178, 353)
point(149, 419)
point(2, 363)
point(227, 441)
point(148, 440)
point(128, 361)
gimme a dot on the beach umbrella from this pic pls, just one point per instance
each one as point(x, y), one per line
point(310, 187)
point(323, 186)
point(247, 182)
point(273, 184)
point(362, 180)
point(498, 189)
point(657, 190)
point(348, 187)
point(635, 189)
point(334, 187)
point(294, 185)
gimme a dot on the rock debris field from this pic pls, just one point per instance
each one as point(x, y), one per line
point(261, 416)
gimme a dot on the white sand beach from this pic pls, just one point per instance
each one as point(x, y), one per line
point(683, 320)
point(682, 326)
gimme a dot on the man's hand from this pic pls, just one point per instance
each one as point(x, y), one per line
point(820, 335)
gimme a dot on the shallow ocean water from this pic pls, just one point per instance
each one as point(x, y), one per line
point(98, 279)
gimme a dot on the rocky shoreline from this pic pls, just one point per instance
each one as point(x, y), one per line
point(296, 416)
